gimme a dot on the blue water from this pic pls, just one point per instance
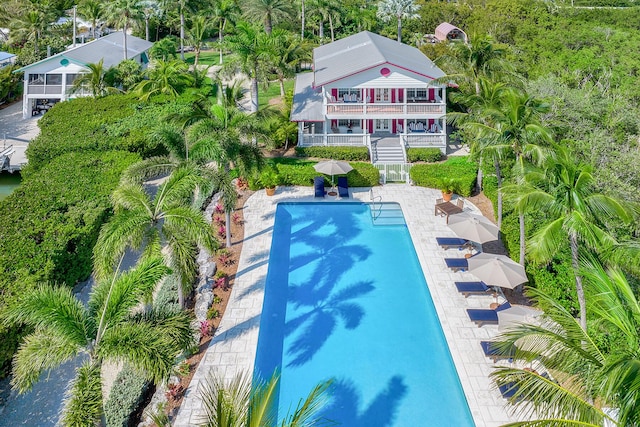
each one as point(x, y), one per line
point(346, 299)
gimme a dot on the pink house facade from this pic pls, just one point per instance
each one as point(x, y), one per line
point(366, 88)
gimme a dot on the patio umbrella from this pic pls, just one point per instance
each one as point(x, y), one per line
point(497, 270)
point(332, 167)
point(517, 314)
point(476, 228)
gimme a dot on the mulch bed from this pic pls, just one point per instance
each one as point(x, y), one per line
point(237, 236)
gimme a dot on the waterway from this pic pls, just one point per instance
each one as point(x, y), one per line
point(8, 183)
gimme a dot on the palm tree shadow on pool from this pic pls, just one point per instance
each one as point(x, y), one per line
point(314, 327)
point(346, 402)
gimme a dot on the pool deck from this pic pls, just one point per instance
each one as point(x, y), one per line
point(233, 348)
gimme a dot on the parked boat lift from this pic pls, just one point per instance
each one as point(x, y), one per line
point(5, 160)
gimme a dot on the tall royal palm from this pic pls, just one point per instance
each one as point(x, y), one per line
point(251, 49)
point(123, 13)
point(326, 10)
point(268, 11)
point(224, 11)
point(166, 224)
point(29, 25)
point(110, 329)
point(398, 10)
point(577, 212)
point(586, 375)
point(92, 10)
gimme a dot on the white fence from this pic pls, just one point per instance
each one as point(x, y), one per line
point(393, 172)
point(338, 140)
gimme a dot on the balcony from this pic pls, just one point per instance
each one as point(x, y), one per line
point(361, 109)
point(44, 89)
point(416, 140)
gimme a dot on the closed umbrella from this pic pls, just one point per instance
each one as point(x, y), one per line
point(516, 315)
point(476, 228)
point(333, 167)
point(497, 270)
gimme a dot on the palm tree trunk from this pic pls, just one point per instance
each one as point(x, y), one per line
point(302, 17)
point(227, 220)
point(479, 176)
point(281, 80)
point(93, 26)
point(573, 240)
point(197, 56)
point(522, 237)
point(124, 38)
point(180, 296)
point(399, 29)
point(331, 28)
point(146, 28)
point(499, 178)
point(321, 31)
point(220, 40)
point(181, 32)
point(254, 90)
point(267, 24)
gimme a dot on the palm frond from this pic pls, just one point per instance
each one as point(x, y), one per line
point(306, 413)
point(262, 404)
point(152, 167)
point(40, 351)
point(191, 224)
point(226, 404)
point(546, 240)
point(83, 400)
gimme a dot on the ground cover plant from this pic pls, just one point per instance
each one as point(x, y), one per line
point(458, 172)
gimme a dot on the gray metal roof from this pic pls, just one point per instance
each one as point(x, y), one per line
point(366, 50)
point(6, 55)
point(108, 48)
point(307, 101)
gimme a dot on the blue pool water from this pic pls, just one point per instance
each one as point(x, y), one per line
point(346, 299)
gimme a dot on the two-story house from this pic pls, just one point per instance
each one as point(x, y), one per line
point(51, 80)
point(370, 90)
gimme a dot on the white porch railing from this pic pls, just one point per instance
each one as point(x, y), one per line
point(424, 140)
point(393, 172)
point(44, 89)
point(354, 140)
point(363, 108)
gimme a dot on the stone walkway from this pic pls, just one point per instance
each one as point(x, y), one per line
point(233, 348)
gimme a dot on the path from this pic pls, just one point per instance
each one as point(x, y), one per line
point(16, 131)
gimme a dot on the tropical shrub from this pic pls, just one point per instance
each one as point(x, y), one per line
point(336, 153)
point(125, 397)
point(428, 155)
point(301, 172)
point(460, 170)
point(48, 226)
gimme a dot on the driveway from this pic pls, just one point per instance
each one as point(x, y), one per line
point(16, 131)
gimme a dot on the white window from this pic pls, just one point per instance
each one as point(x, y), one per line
point(383, 125)
point(417, 94)
point(36, 79)
point(383, 95)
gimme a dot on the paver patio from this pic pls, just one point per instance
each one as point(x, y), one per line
point(234, 346)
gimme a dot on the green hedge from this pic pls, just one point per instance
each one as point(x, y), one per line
point(428, 155)
point(336, 153)
point(460, 170)
point(301, 172)
point(117, 122)
point(49, 224)
point(125, 397)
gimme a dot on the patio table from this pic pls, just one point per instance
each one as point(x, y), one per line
point(447, 208)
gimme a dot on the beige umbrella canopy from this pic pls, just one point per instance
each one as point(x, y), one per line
point(497, 270)
point(516, 315)
point(476, 228)
point(332, 167)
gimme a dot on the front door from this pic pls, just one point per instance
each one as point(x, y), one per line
point(383, 125)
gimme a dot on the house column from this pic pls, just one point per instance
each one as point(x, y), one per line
point(26, 104)
point(327, 123)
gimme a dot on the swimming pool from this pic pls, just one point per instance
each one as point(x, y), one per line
point(346, 299)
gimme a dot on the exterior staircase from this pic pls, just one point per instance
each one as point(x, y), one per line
point(387, 149)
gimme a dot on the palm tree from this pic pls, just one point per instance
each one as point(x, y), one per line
point(150, 8)
point(586, 375)
point(512, 127)
point(166, 77)
point(243, 403)
point(565, 191)
point(223, 11)
point(197, 35)
point(110, 328)
point(121, 13)
point(250, 46)
point(268, 11)
point(398, 9)
point(166, 224)
point(29, 25)
point(97, 80)
point(286, 52)
point(329, 10)
point(91, 10)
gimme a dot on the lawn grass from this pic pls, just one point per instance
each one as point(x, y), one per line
point(272, 91)
point(207, 57)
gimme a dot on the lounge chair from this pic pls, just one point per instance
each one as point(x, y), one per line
point(457, 264)
point(318, 185)
point(472, 288)
point(491, 351)
point(452, 242)
point(483, 317)
point(510, 392)
point(343, 187)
